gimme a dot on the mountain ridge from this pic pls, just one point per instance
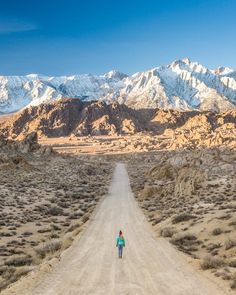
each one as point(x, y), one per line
point(69, 117)
point(181, 85)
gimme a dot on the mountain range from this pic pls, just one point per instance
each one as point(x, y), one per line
point(181, 85)
point(68, 117)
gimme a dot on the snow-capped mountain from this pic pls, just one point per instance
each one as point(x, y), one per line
point(182, 85)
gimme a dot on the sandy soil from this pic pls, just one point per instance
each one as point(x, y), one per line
point(189, 139)
point(91, 266)
point(99, 144)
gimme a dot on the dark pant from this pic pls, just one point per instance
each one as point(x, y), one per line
point(120, 250)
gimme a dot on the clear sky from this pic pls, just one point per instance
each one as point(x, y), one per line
point(65, 37)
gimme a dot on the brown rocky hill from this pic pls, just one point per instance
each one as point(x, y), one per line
point(72, 116)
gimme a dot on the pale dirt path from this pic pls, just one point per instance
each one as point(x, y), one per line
point(150, 265)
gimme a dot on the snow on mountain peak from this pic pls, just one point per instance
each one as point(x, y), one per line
point(223, 71)
point(115, 75)
point(183, 84)
point(186, 60)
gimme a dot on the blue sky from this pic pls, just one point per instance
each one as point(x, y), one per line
point(67, 37)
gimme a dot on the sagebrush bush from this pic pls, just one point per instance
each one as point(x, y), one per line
point(217, 231)
point(181, 239)
point(230, 243)
point(167, 232)
point(48, 248)
point(19, 260)
point(55, 211)
point(182, 217)
point(233, 284)
point(12, 274)
point(211, 262)
point(232, 263)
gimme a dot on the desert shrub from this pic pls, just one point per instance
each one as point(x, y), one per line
point(232, 223)
point(8, 234)
point(54, 236)
point(167, 232)
point(225, 217)
point(211, 262)
point(55, 226)
point(213, 246)
point(67, 242)
point(183, 238)
point(19, 260)
point(157, 220)
point(74, 226)
point(44, 230)
point(233, 284)
point(148, 192)
point(217, 231)
point(12, 274)
point(48, 248)
point(27, 234)
point(224, 274)
point(55, 211)
point(7, 273)
point(3, 285)
point(182, 217)
point(186, 243)
point(230, 243)
point(77, 231)
point(85, 218)
point(232, 263)
point(22, 271)
point(3, 268)
point(74, 216)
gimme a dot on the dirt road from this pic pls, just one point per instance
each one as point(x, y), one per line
point(150, 265)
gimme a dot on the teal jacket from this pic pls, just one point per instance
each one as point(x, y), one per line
point(120, 241)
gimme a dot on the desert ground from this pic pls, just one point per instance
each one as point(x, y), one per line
point(189, 197)
point(91, 266)
point(188, 220)
point(45, 200)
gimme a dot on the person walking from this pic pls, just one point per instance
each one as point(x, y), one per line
point(120, 243)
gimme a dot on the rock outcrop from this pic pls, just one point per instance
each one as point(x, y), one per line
point(15, 151)
point(72, 117)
